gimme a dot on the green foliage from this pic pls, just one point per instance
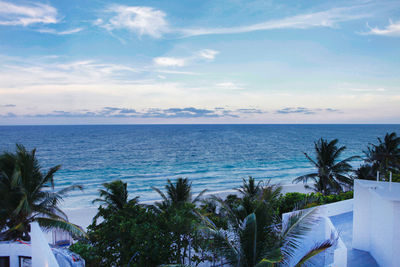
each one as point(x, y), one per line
point(27, 194)
point(176, 194)
point(383, 157)
point(332, 173)
point(134, 233)
point(144, 235)
point(255, 238)
point(88, 252)
point(115, 195)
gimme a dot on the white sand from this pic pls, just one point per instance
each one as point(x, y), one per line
point(83, 217)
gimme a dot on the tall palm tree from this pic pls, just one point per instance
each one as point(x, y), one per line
point(385, 156)
point(331, 174)
point(27, 194)
point(177, 193)
point(115, 195)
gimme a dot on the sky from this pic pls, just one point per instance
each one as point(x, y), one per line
point(233, 61)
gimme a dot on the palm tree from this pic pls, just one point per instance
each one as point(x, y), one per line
point(259, 238)
point(366, 172)
point(27, 194)
point(386, 155)
point(177, 193)
point(115, 195)
point(250, 188)
point(331, 174)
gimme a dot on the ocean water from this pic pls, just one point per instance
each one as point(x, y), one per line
point(215, 157)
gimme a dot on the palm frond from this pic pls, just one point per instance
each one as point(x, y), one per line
point(318, 248)
point(297, 226)
point(70, 188)
point(164, 197)
point(197, 198)
point(49, 223)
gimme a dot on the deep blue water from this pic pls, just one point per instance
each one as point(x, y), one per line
point(216, 157)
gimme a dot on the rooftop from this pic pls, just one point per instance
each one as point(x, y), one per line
point(385, 190)
point(355, 258)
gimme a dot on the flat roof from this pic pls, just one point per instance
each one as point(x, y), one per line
point(385, 190)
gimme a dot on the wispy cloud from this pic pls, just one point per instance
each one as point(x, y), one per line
point(8, 106)
point(329, 18)
point(137, 19)
point(65, 32)
point(205, 54)
point(229, 85)
point(149, 21)
point(303, 110)
point(24, 15)
point(393, 30)
point(55, 70)
point(368, 89)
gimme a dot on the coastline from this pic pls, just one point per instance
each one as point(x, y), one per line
point(84, 216)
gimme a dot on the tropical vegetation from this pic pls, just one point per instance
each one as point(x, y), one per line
point(247, 231)
point(383, 157)
point(27, 194)
point(332, 174)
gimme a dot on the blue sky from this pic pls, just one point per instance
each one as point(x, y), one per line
point(75, 62)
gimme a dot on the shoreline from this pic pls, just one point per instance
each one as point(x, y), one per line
point(84, 216)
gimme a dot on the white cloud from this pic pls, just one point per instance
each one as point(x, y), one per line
point(66, 32)
point(208, 54)
point(138, 19)
point(169, 61)
point(229, 85)
point(205, 54)
point(393, 29)
point(24, 15)
point(329, 18)
point(368, 89)
point(98, 22)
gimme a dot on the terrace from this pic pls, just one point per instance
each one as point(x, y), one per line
point(365, 227)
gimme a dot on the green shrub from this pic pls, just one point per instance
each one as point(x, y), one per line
point(87, 252)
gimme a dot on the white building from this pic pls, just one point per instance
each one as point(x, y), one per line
point(36, 253)
point(367, 228)
point(376, 220)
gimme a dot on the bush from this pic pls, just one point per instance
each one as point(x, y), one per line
point(87, 252)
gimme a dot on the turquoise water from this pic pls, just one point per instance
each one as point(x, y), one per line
point(216, 157)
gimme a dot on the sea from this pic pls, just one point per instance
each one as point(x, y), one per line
point(213, 157)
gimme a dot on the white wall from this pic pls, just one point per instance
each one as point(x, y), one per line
point(14, 250)
point(361, 217)
point(376, 221)
point(336, 208)
point(381, 230)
